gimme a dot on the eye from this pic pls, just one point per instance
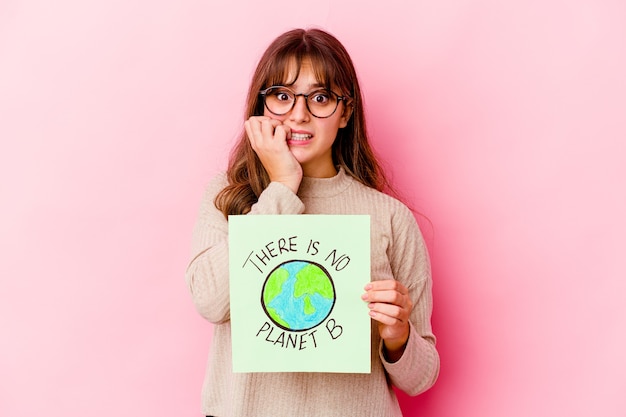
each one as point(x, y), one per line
point(320, 97)
point(282, 95)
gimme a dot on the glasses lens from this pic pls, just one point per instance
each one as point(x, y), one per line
point(322, 103)
point(279, 100)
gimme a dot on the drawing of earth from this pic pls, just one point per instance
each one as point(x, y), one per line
point(298, 295)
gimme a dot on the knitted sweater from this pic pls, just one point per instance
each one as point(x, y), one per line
point(397, 252)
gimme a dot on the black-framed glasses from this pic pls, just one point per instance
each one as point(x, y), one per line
point(321, 103)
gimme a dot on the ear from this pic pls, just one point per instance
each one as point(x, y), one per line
point(345, 117)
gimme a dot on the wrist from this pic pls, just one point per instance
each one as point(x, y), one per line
point(293, 183)
point(393, 349)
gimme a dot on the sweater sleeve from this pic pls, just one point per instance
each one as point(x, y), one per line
point(207, 274)
point(418, 368)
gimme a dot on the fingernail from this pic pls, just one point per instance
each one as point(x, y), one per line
point(364, 296)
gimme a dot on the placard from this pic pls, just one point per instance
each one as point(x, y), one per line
point(295, 293)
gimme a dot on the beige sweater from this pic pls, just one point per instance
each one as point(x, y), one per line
point(398, 251)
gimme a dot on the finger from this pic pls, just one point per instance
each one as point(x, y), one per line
point(390, 313)
point(253, 126)
point(267, 129)
point(259, 118)
point(248, 126)
point(387, 284)
point(282, 132)
point(253, 129)
point(386, 296)
point(387, 320)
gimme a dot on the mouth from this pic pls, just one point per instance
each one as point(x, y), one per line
point(300, 136)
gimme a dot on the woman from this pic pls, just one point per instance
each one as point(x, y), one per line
point(305, 150)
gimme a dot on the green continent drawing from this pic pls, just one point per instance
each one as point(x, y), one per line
point(298, 295)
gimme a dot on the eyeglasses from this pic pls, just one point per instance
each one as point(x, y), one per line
point(321, 103)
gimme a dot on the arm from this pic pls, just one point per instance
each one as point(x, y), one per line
point(207, 274)
point(403, 309)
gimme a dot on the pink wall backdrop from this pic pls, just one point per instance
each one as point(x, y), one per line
point(503, 122)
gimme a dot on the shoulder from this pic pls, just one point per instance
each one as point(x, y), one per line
point(392, 220)
point(211, 190)
point(386, 204)
point(215, 184)
point(218, 180)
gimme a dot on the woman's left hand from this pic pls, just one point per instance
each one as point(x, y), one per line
point(390, 305)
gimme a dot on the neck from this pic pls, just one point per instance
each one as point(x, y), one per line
point(319, 171)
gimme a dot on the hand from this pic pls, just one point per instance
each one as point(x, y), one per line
point(268, 137)
point(390, 305)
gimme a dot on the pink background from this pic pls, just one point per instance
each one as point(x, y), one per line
point(503, 122)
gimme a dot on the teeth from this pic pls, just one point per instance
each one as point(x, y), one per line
point(299, 136)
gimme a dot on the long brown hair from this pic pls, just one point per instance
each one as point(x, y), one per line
point(333, 66)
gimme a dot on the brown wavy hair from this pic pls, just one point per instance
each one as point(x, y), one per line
point(333, 67)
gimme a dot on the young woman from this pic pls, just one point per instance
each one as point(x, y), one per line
point(305, 150)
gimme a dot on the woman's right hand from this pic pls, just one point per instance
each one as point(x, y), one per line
point(268, 137)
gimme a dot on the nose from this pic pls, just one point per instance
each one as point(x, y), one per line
point(299, 112)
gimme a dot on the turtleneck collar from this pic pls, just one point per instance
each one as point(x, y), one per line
point(325, 187)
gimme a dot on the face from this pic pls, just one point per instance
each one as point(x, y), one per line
point(312, 138)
